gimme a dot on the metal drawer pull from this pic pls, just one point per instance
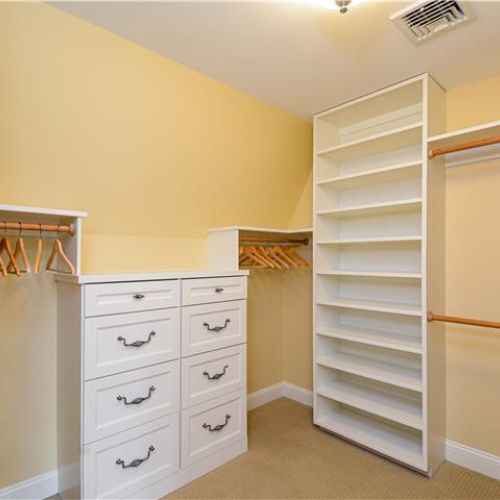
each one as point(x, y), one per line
point(217, 328)
point(137, 461)
point(216, 376)
point(139, 400)
point(137, 343)
point(217, 427)
point(139, 296)
point(219, 290)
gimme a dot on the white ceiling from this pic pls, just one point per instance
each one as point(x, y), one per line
point(300, 57)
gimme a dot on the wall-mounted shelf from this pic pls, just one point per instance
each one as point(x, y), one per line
point(37, 215)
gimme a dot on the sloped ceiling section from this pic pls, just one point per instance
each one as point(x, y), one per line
point(297, 56)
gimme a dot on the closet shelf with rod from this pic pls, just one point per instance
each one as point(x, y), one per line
point(463, 321)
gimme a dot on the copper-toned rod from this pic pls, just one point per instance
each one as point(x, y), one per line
point(464, 146)
point(462, 321)
point(262, 239)
point(30, 226)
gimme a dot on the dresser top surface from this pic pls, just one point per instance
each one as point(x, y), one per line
point(84, 279)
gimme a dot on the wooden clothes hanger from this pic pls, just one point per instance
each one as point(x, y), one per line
point(5, 247)
point(58, 251)
point(292, 252)
point(39, 253)
point(20, 251)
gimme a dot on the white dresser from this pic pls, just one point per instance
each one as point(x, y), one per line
point(151, 380)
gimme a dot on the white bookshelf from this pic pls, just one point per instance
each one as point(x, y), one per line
point(378, 267)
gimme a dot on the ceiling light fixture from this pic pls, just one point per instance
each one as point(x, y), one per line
point(343, 5)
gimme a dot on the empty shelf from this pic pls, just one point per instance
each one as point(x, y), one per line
point(371, 274)
point(376, 370)
point(383, 174)
point(384, 404)
point(375, 434)
point(386, 141)
point(374, 208)
point(388, 340)
point(382, 239)
point(371, 305)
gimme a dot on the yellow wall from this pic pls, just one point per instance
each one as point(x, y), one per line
point(473, 278)
point(156, 153)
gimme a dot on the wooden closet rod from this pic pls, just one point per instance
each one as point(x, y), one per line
point(28, 226)
point(462, 147)
point(263, 239)
point(462, 321)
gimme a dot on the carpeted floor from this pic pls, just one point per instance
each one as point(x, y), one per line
point(289, 458)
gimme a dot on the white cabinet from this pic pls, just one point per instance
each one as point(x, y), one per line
point(121, 427)
point(378, 267)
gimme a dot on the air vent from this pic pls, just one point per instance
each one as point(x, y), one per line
point(424, 19)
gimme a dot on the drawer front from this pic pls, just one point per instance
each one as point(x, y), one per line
point(210, 427)
point(120, 402)
point(212, 326)
point(125, 342)
point(213, 374)
point(206, 290)
point(115, 298)
point(109, 467)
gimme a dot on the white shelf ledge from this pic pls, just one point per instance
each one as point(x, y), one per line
point(378, 338)
point(371, 274)
point(376, 306)
point(368, 176)
point(386, 141)
point(373, 208)
point(375, 370)
point(382, 239)
point(468, 134)
point(384, 404)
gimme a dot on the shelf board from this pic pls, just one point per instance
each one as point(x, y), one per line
point(381, 239)
point(378, 338)
point(386, 141)
point(383, 438)
point(374, 208)
point(372, 175)
point(468, 134)
point(392, 407)
point(371, 274)
point(372, 305)
point(375, 370)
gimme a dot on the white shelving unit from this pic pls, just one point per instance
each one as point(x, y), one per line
point(378, 267)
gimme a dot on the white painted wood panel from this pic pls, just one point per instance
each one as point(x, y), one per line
point(209, 375)
point(212, 326)
point(152, 337)
point(114, 298)
point(105, 477)
point(119, 402)
point(212, 426)
point(204, 291)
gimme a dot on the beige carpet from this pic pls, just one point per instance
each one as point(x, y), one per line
point(290, 458)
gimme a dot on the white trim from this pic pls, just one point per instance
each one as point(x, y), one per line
point(457, 453)
point(473, 459)
point(42, 486)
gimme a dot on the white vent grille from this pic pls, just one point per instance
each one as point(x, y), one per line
point(424, 19)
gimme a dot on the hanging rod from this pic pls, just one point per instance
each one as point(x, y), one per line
point(464, 146)
point(29, 226)
point(462, 321)
point(263, 239)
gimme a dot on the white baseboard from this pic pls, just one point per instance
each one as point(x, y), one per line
point(38, 487)
point(473, 459)
point(457, 453)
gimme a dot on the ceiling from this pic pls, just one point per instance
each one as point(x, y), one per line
point(301, 57)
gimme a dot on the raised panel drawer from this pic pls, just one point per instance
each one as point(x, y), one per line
point(212, 326)
point(115, 298)
point(119, 402)
point(104, 473)
point(213, 374)
point(210, 427)
point(125, 342)
point(207, 290)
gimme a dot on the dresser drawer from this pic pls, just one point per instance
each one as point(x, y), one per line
point(213, 326)
point(125, 342)
point(119, 402)
point(212, 374)
point(115, 298)
point(120, 465)
point(206, 290)
point(210, 427)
